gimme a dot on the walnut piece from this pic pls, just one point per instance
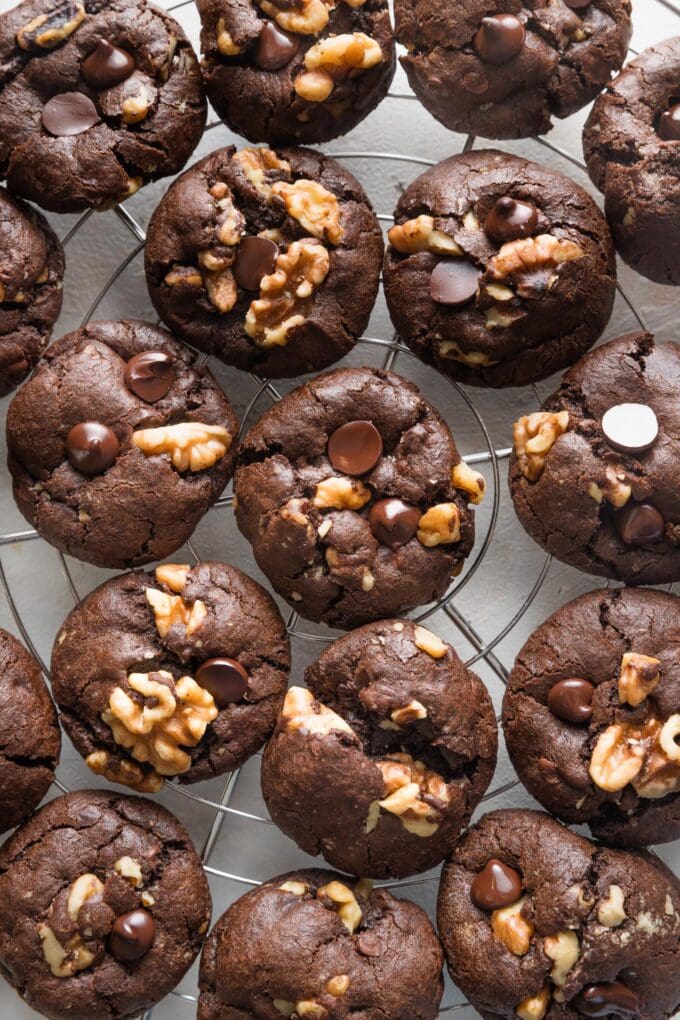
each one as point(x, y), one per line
point(127, 867)
point(450, 349)
point(126, 773)
point(171, 610)
point(306, 17)
point(564, 950)
point(408, 713)
point(173, 575)
point(225, 43)
point(255, 163)
point(135, 107)
point(534, 1007)
point(338, 985)
point(286, 294)
point(296, 888)
point(313, 206)
point(301, 1008)
point(221, 288)
point(639, 676)
point(610, 909)
point(406, 785)
point(340, 898)
point(419, 234)
point(301, 711)
point(430, 643)
point(512, 928)
point(192, 445)
point(49, 30)
point(440, 525)
point(646, 755)
point(65, 961)
point(334, 58)
point(615, 489)
point(616, 759)
point(531, 254)
point(535, 435)
point(341, 493)
point(468, 481)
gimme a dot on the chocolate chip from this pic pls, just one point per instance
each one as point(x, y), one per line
point(355, 448)
point(255, 258)
point(369, 944)
point(70, 113)
point(496, 886)
point(275, 48)
point(499, 38)
point(571, 699)
point(132, 936)
point(631, 428)
point(454, 282)
point(608, 999)
point(640, 525)
point(511, 219)
point(669, 124)
point(150, 375)
point(226, 679)
point(393, 522)
point(92, 447)
point(106, 66)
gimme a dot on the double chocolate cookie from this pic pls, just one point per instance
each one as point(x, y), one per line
point(180, 673)
point(504, 69)
point(30, 740)
point(632, 147)
point(31, 278)
point(537, 922)
point(355, 499)
point(594, 474)
point(316, 944)
point(592, 712)
point(380, 764)
point(499, 271)
point(97, 99)
point(103, 906)
point(119, 444)
point(296, 71)
point(269, 260)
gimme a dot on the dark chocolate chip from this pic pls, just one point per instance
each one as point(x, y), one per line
point(510, 219)
point(669, 124)
point(255, 258)
point(393, 522)
point(370, 944)
point(275, 48)
point(70, 113)
point(150, 375)
point(496, 886)
point(571, 700)
point(631, 428)
point(640, 525)
point(132, 936)
point(608, 999)
point(499, 38)
point(92, 447)
point(355, 448)
point(225, 679)
point(454, 282)
point(106, 66)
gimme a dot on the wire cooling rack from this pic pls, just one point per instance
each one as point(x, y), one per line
point(488, 637)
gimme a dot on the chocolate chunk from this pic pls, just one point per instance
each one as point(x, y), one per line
point(454, 282)
point(510, 219)
point(571, 699)
point(355, 448)
point(640, 525)
point(150, 375)
point(92, 447)
point(255, 258)
point(496, 886)
point(499, 38)
point(106, 66)
point(275, 48)
point(608, 999)
point(631, 428)
point(132, 936)
point(393, 522)
point(669, 124)
point(71, 113)
point(226, 679)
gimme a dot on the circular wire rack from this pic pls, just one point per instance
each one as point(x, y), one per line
point(392, 354)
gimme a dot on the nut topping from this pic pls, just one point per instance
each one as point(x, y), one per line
point(225, 43)
point(408, 713)
point(49, 30)
point(124, 772)
point(342, 900)
point(172, 610)
point(192, 445)
point(313, 206)
point(307, 17)
point(222, 289)
point(255, 163)
point(129, 868)
point(511, 928)
point(564, 950)
point(301, 711)
point(333, 58)
point(419, 234)
point(534, 1007)
point(610, 911)
point(440, 525)
point(646, 755)
point(296, 888)
point(173, 575)
point(430, 643)
point(337, 986)
point(616, 760)
point(638, 678)
point(535, 435)
point(340, 493)
point(468, 481)
point(65, 961)
point(286, 294)
point(532, 254)
point(409, 791)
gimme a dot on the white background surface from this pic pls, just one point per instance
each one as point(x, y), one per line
point(42, 585)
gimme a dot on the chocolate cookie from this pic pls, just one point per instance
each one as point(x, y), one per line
point(631, 147)
point(594, 474)
point(591, 714)
point(537, 922)
point(315, 944)
point(30, 740)
point(103, 906)
point(504, 69)
point(296, 71)
point(97, 99)
point(269, 260)
point(180, 673)
point(380, 764)
point(119, 444)
point(31, 278)
point(354, 498)
point(499, 271)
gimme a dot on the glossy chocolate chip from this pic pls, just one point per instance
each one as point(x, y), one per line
point(370, 944)
point(132, 936)
point(499, 38)
point(669, 124)
point(510, 219)
point(496, 886)
point(255, 258)
point(275, 48)
point(612, 998)
point(571, 700)
point(640, 525)
point(226, 679)
point(150, 375)
point(631, 428)
point(393, 522)
point(355, 448)
point(92, 447)
point(70, 113)
point(106, 66)
point(454, 282)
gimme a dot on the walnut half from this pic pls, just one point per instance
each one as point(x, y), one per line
point(313, 206)
point(419, 234)
point(286, 294)
point(535, 435)
point(49, 30)
point(192, 445)
point(334, 58)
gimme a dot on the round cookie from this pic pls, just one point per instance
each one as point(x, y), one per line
point(177, 673)
point(103, 906)
point(591, 711)
point(594, 473)
point(314, 943)
point(119, 444)
point(30, 740)
point(97, 100)
point(354, 498)
point(381, 763)
point(630, 142)
point(499, 271)
point(299, 72)
point(541, 924)
point(269, 260)
point(30, 288)
point(504, 69)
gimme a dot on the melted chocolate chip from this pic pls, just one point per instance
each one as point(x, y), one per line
point(132, 936)
point(608, 999)
point(150, 375)
point(226, 679)
point(393, 522)
point(92, 447)
point(640, 525)
point(106, 66)
point(496, 886)
point(70, 113)
point(355, 448)
point(255, 258)
point(275, 48)
point(454, 282)
point(631, 428)
point(510, 219)
point(499, 38)
point(669, 124)
point(370, 944)
point(571, 700)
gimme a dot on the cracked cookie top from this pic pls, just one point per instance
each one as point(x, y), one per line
point(119, 444)
point(316, 944)
point(592, 712)
point(180, 673)
point(537, 922)
point(268, 259)
point(505, 68)
point(355, 498)
point(394, 745)
point(296, 71)
point(594, 473)
point(499, 271)
point(103, 906)
point(97, 99)
point(30, 740)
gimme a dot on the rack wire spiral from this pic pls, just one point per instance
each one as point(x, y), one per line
point(393, 353)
